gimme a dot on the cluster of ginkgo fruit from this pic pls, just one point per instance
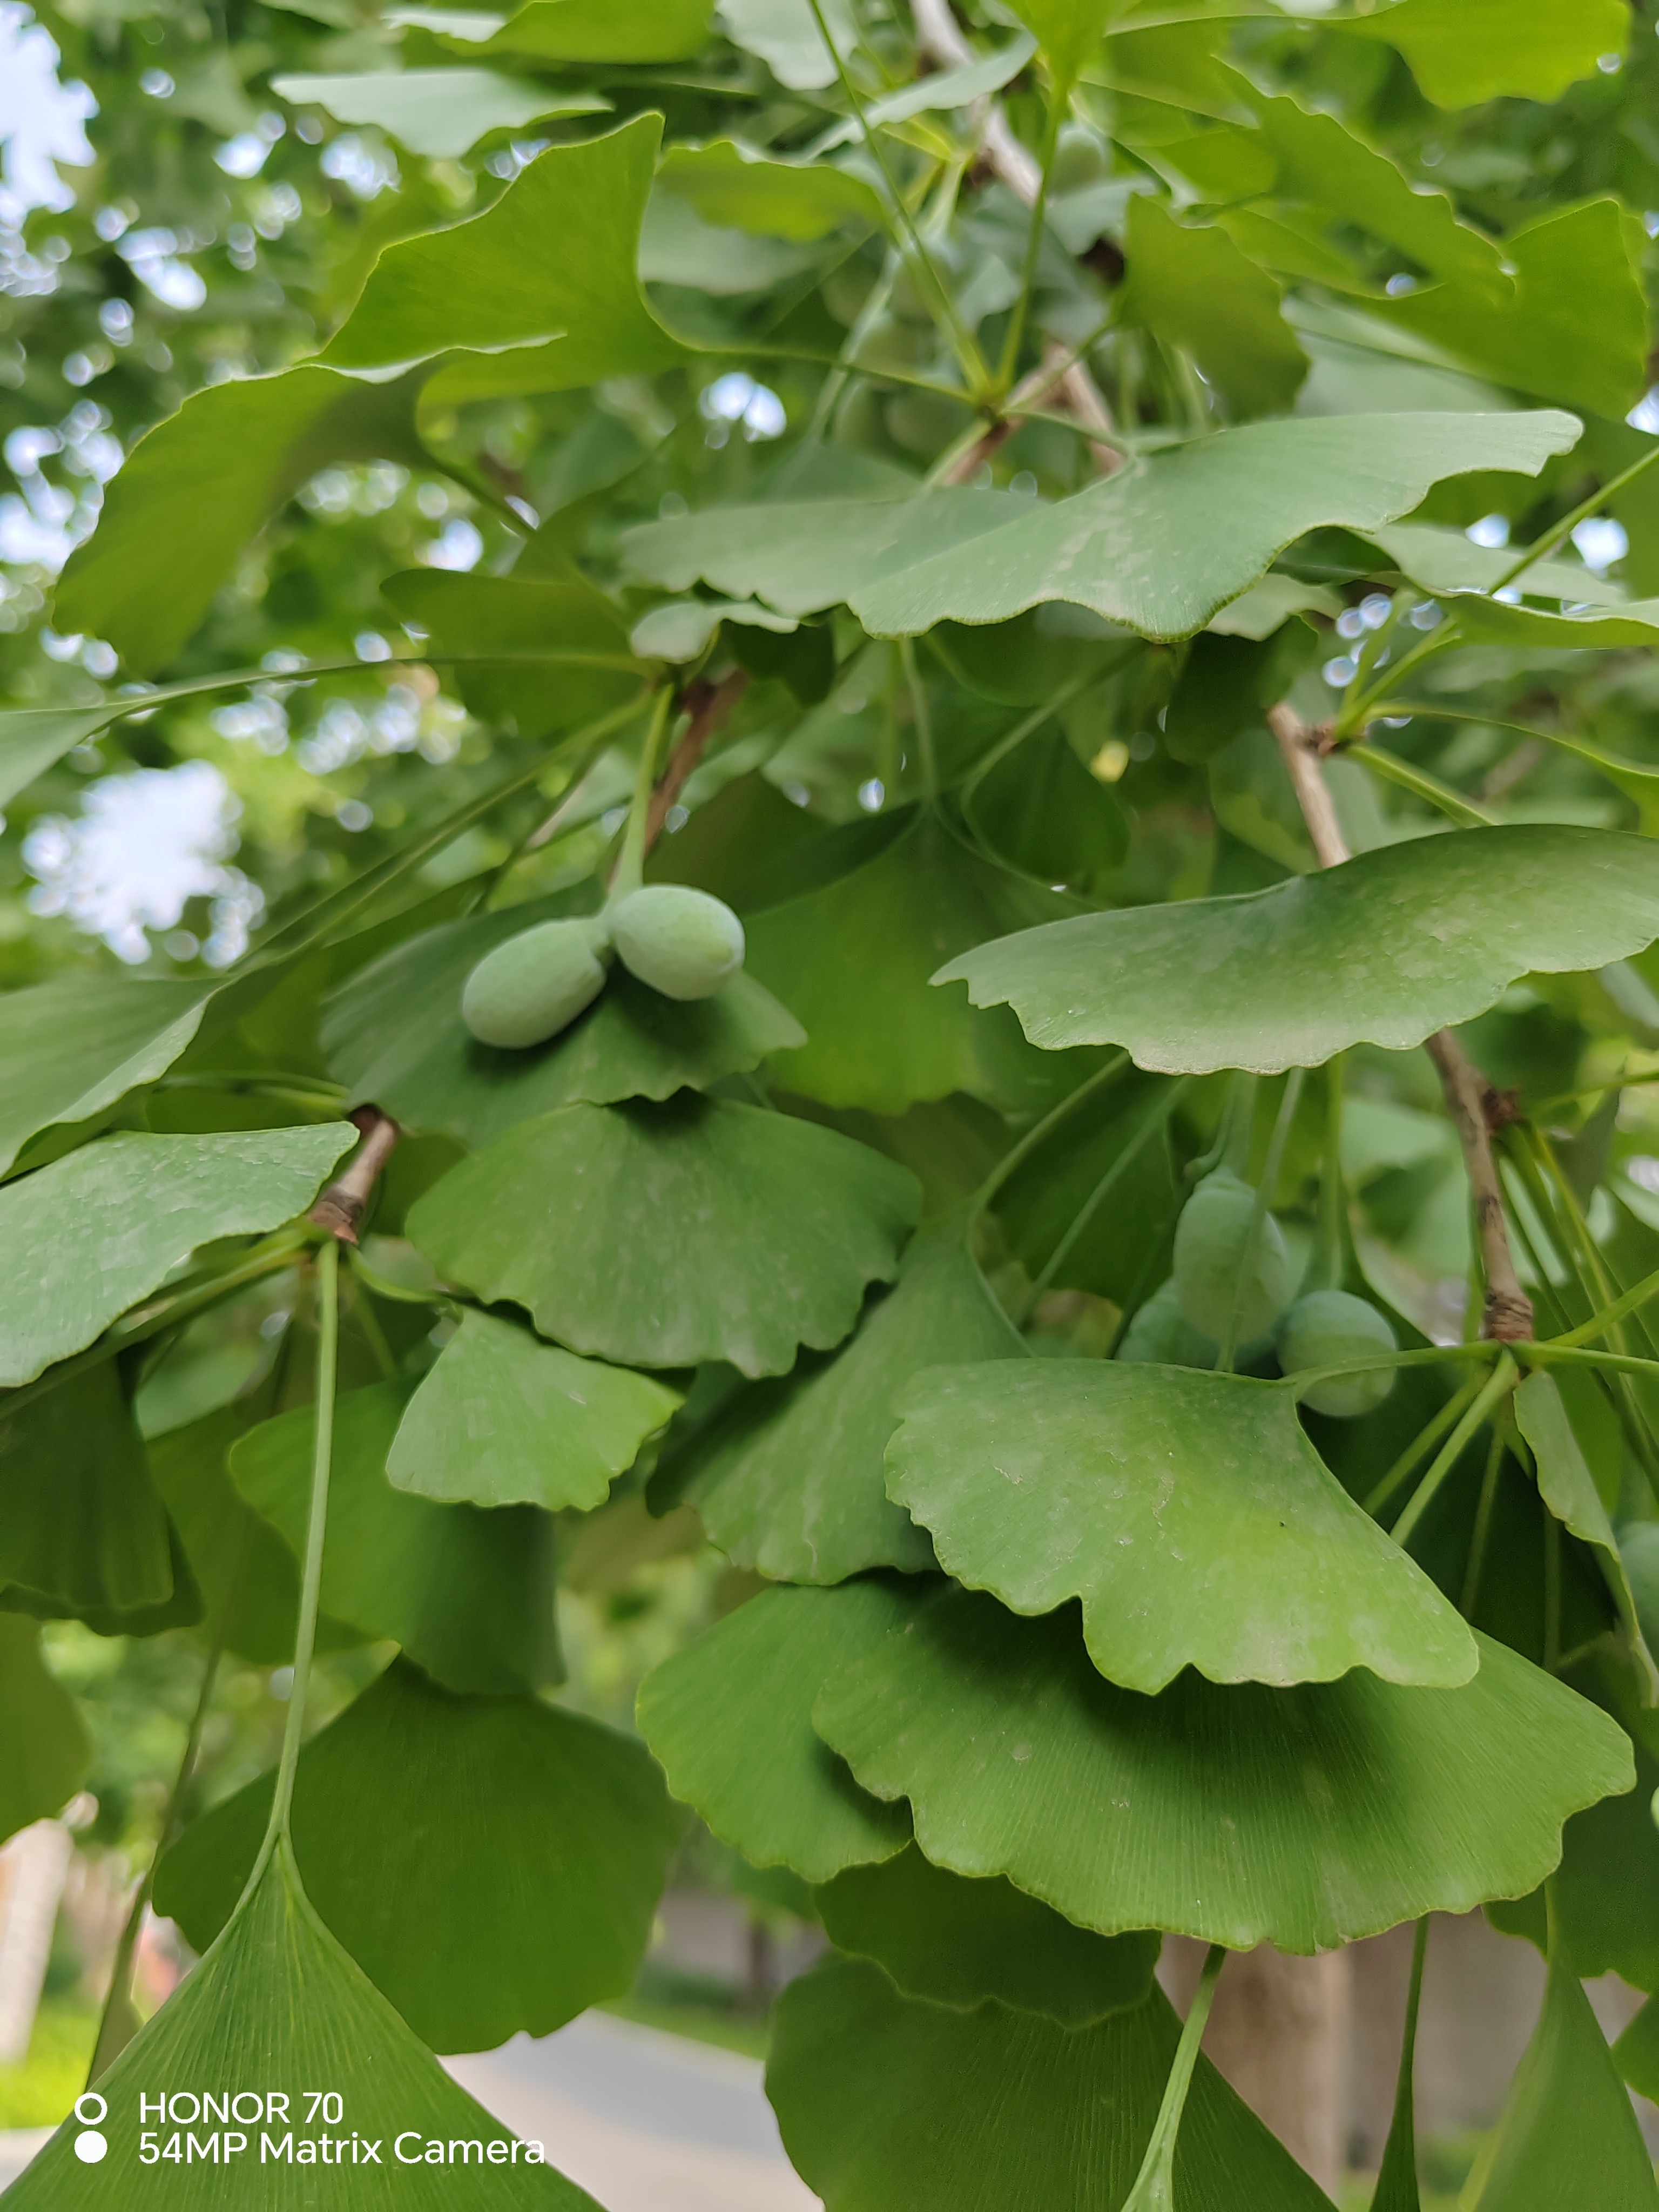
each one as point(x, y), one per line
point(680, 942)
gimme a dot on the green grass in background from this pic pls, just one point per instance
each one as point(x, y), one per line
point(42, 2090)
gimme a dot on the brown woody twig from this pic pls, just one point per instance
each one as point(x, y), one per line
point(709, 705)
point(1475, 1107)
point(340, 1208)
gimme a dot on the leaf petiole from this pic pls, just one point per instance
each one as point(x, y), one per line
point(1154, 2188)
point(1498, 1384)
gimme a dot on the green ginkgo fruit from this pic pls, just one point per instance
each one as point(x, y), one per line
point(1080, 158)
point(1218, 1268)
point(528, 989)
point(1161, 1335)
point(682, 943)
point(1327, 1326)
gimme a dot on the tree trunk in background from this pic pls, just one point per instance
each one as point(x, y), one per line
point(32, 1866)
point(1280, 2034)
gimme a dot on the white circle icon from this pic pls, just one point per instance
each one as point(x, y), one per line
point(90, 2119)
point(90, 2146)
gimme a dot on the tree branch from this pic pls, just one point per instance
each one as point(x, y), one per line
point(939, 36)
point(1470, 1099)
point(340, 1208)
point(709, 704)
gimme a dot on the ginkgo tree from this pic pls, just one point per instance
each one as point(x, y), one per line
point(1035, 1001)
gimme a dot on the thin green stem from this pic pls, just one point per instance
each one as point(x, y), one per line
point(1356, 712)
point(1386, 1363)
point(921, 718)
point(1058, 104)
point(328, 1343)
point(1017, 1155)
point(1276, 1144)
point(1154, 1123)
point(1483, 1516)
point(630, 872)
point(1333, 1191)
point(1551, 1593)
point(1390, 768)
point(973, 363)
point(1425, 1439)
point(1154, 2188)
point(1560, 531)
point(1497, 1386)
point(1241, 1124)
point(116, 2023)
point(1599, 1323)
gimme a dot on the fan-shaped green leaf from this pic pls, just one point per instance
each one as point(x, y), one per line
point(888, 2105)
point(802, 559)
point(197, 487)
point(786, 36)
point(504, 1418)
point(854, 960)
point(439, 111)
point(738, 187)
point(957, 1942)
point(1637, 2051)
point(1465, 51)
point(1448, 561)
point(1068, 30)
point(278, 2010)
point(1606, 1890)
point(1041, 811)
point(1306, 1817)
point(44, 1747)
point(791, 1480)
point(535, 621)
point(1163, 544)
point(1576, 328)
point(597, 30)
point(493, 1864)
point(543, 284)
point(394, 1035)
point(33, 739)
point(1189, 283)
point(250, 1579)
point(88, 1236)
point(729, 1719)
point(1568, 1488)
point(1384, 949)
point(82, 1524)
point(665, 1235)
point(1635, 622)
point(1188, 1511)
point(1569, 2140)
point(466, 1592)
point(70, 1048)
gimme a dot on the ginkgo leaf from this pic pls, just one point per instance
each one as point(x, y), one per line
point(202, 482)
point(1635, 622)
point(44, 1747)
point(493, 1864)
point(791, 1480)
point(786, 36)
point(1605, 1892)
point(1569, 2140)
point(542, 285)
point(1306, 1817)
point(250, 1578)
point(1188, 1511)
point(1189, 283)
point(679, 630)
point(739, 187)
point(88, 1236)
point(1385, 950)
point(1637, 2051)
point(275, 2011)
point(468, 1593)
point(666, 1235)
point(597, 30)
point(394, 1036)
point(534, 620)
point(854, 960)
point(889, 2105)
point(1463, 52)
point(1448, 561)
point(1160, 546)
point(504, 1418)
point(1568, 1488)
point(1068, 30)
point(729, 1719)
point(1575, 330)
point(72, 1048)
point(82, 1522)
point(804, 558)
point(957, 1942)
point(441, 112)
